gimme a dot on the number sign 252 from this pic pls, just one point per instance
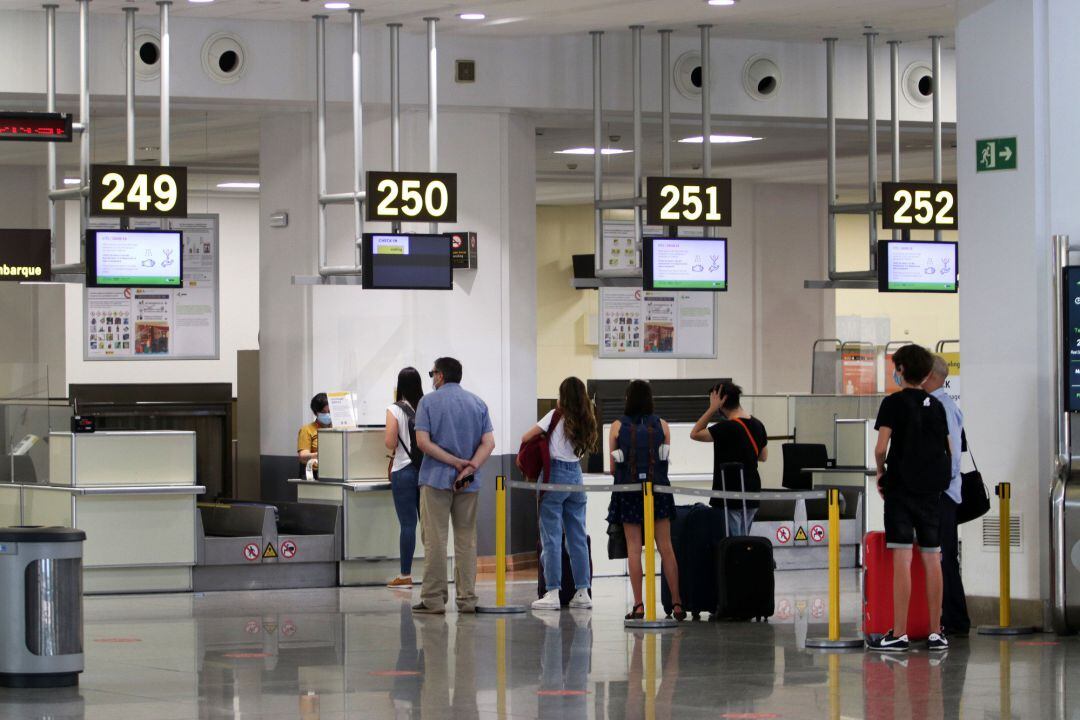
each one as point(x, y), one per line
point(688, 201)
point(411, 197)
point(138, 191)
point(919, 206)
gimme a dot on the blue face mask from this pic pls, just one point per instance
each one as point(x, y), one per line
point(896, 378)
point(323, 418)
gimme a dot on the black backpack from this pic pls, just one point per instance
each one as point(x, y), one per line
point(925, 464)
point(416, 457)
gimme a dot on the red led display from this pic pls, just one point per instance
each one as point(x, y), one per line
point(35, 127)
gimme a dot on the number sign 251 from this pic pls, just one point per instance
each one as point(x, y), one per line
point(919, 206)
point(138, 191)
point(688, 201)
point(411, 197)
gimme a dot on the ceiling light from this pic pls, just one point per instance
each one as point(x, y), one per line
point(200, 1)
point(721, 3)
point(239, 185)
point(590, 151)
point(472, 16)
point(721, 139)
point(72, 181)
point(336, 6)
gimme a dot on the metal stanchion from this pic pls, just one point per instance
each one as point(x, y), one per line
point(834, 641)
point(1005, 626)
point(650, 621)
point(500, 607)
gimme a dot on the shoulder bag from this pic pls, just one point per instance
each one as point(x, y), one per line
point(975, 498)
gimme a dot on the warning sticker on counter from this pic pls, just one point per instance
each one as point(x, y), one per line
point(288, 549)
point(251, 552)
point(783, 535)
point(817, 533)
point(270, 552)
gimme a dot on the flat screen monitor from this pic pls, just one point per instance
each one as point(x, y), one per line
point(407, 262)
point(906, 266)
point(134, 258)
point(685, 264)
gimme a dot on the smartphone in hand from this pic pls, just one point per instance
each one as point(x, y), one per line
point(464, 479)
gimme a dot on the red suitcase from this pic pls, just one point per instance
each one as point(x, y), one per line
point(878, 591)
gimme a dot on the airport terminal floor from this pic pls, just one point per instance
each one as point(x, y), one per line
point(360, 653)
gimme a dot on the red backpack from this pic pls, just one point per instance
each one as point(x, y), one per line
point(534, 457)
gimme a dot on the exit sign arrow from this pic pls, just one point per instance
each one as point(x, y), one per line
point(995, 154)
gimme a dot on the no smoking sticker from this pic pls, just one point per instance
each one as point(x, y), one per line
point(288, 549)
point(251, 552)
point(783, 535)
point(817, 533)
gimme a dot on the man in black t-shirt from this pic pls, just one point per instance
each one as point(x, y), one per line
point(738, 438)
point(913, 440)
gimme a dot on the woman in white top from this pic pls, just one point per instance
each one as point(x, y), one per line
point(572, 434)
point(405, 467)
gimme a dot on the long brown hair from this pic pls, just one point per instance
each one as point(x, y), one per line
point(578, 416)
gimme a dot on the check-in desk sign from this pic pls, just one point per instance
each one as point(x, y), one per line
point(919, 206)
point(25, 256)
point(411, 197)
point(138, 191)
point(681, 201)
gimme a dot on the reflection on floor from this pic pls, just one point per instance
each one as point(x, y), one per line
point(360, 653)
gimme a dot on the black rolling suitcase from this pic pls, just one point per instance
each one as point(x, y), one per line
point(694, 535)
point(566, 587)
point(744, 573)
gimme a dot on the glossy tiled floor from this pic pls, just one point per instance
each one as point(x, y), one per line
point(359, 653)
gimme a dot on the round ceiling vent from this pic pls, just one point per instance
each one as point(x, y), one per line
point(918, 84)
point(147, 54)
point(761, 77)
point(224, 57)
point(687, 75)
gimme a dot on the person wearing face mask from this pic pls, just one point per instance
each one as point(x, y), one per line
point(307, 443)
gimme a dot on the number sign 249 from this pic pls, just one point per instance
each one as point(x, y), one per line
point(919, 206)
point(411, 197)
point(138, 191)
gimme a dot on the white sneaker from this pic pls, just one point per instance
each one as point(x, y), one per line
point(581, 599)
point(550, 601)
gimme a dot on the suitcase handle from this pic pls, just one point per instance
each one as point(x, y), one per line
point(742, 486)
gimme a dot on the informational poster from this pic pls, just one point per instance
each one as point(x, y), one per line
point(858, 370)
point(634, 323)
point(342, 409)
point(952, 383)
point(619, 250)
point(918, 267)
point(124, 323)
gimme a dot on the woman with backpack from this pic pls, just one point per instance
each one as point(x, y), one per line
point(572, 434)
point(640, 442)
point(405, 462)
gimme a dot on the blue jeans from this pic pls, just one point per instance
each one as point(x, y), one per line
point(405, 486)
point(564, 512)
point(735, 524)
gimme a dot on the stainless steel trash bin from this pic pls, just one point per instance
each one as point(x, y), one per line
point(41, 614)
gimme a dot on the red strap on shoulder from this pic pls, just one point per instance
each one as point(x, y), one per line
point(750, 435)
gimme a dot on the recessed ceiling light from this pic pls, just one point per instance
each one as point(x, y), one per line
point(590, 151)
point(720, 3)
point(71, 181)
point(336, 6)
point(239, 185)
point(721, 139)
point(472, 16)
point(200, 1)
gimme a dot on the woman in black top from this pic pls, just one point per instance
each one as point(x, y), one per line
point(738, 438)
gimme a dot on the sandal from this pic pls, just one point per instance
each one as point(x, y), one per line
point(679, 613)
point(635, 613)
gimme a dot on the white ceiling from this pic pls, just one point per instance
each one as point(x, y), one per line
point(764, 19)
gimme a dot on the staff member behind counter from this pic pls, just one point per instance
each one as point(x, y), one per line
point(307, 443)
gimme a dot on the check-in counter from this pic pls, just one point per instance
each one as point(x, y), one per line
point(352, 475)
point(133, 493)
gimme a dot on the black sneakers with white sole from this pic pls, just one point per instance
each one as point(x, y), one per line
point(937, 642)
point(889, 643)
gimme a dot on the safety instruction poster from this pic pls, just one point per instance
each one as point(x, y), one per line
point(159, 323)
point(634, 323)
point(619, 250)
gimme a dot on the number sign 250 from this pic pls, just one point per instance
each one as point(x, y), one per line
point(919, 206)
point(411, 197)
point(138, 191)
point(688, 201)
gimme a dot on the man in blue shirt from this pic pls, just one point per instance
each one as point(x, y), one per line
point(453, 429)
point(954, 613)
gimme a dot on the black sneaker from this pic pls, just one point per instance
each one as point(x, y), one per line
point(937, 642)
point(889, 643)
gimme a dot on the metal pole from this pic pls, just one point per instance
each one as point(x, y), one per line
point(1063, 459)
point(830, 136)
point(395, 104)
point(665, 99)
point(129, 24)
point(165, 79)
point(706, 104)
point(433, 103)
point(84, 120)
point(871, 130)
point(935, 50)
point(894, 103)
point(50, 106)
point(598, 156)
point(358, 136)
point(635, 32)
point(320, 132)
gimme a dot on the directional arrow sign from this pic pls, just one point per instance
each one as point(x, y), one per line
point(995, 154)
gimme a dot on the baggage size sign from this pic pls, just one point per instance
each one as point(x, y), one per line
point(138, 191)
point(688, 201)
point(919, 206)
point(411, 197)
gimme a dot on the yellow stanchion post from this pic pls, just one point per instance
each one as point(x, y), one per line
point(650, 677)
point(650, 621)
point(500, 607)
point(834, 641)
point(1005, 626)
point(500, 668)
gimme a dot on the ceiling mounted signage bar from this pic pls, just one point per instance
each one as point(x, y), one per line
point(894, 104)
point(935, 65)
point(166, 56)
point(433, 103)
point(129, 82)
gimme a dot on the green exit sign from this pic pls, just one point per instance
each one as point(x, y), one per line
point(995, 154)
